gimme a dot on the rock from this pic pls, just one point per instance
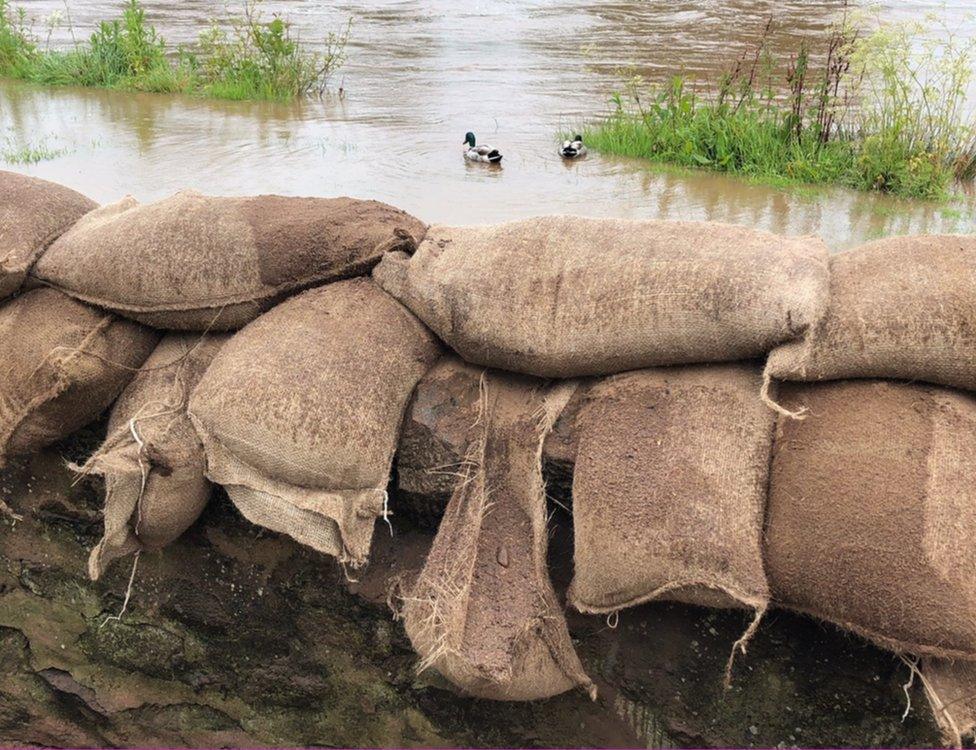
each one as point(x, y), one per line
point(433, 441)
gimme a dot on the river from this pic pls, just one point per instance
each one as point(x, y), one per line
point(423, 72)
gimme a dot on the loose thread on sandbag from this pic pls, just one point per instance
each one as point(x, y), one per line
point(113, 440)
point(167, 407)
point(52, 358)
point(143, 472)
point(912, 671)
point(556, 501)
point(800, 413)
point(108, 320)
point(613, 620)
point(128, 593)
point(386, 511)
point(741, 645)
point(345, 573)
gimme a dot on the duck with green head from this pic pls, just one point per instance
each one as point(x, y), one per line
point(474, 152)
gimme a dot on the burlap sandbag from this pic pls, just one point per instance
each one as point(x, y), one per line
point(483, 611)
point(900, 308)
point(196, 262)
point(950, 687)
point(152, 459)
point(871, 511)
point(562, 296)
point(301, 411)
point(61, 364)
point(33, 213)
point(669, 490)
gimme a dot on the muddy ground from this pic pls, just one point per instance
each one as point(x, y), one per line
point(236, 636)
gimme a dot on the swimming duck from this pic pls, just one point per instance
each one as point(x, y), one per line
point(474, 152)
point(573, 149)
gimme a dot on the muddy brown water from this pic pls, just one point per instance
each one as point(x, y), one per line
point(421, 73)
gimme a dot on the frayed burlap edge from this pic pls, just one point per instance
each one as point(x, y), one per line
point(953, 730)
point(336, 522)
point(124, 492)
point(758, 604)
point(445, 596)
point(554, 629)
point(435, 631)
point(125, 461)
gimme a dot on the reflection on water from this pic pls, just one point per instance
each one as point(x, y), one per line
point(420, 75)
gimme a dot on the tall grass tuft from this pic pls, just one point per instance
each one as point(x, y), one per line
point(246, 58)
point(880, 111)
point(256, 60)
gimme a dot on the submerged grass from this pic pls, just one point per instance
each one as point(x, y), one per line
point(245, 58)
point(880, 111)
point(29, 153)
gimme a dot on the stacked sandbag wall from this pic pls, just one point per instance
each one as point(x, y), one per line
point(686, 486)
point(645, 359)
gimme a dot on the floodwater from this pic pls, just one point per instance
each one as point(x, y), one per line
point(423, 72)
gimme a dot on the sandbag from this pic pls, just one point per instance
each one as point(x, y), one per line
point(562, 296)
point(61, 364)
point(197, 262)
point(871, 512)
point(482, 611)
point(33, 213)
point(669, 490)
point(901, 308)
point(437, 431)
point(152, 459)
point(950, 687)
point(300, 413)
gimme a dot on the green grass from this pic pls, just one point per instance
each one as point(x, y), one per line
point(245, 58)
point(29, 153)
point(873, 113)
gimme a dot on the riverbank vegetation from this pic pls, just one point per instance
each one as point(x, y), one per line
point(245, 57)
point(883, 110)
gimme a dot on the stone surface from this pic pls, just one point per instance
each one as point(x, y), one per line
point(433, 440)
point(235, 636)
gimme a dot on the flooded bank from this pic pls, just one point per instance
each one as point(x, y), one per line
point(421, 74)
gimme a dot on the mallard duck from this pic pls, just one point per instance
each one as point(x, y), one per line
point(573, 149)
point(473, 152)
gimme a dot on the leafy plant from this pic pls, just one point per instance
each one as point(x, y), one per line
point(258, 59)
point(878, 111)
point(243, 58)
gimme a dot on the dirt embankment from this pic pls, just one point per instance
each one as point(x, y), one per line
point(238, 636)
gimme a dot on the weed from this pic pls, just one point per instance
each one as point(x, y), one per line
point(246, 58)
point(879, 111)
point(30, 153)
